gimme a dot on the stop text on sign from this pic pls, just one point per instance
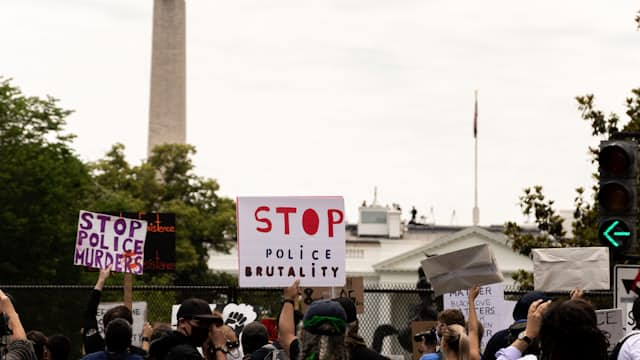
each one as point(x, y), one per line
point(310, 219)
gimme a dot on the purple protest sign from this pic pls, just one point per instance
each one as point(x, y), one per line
point(105, 240)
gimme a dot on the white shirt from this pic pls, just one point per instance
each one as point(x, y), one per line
point(630, 350)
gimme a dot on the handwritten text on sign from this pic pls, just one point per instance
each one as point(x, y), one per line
point(105, 240)
point(494, 313)
point(284, 238)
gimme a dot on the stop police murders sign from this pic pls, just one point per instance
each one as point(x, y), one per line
point(281, 239)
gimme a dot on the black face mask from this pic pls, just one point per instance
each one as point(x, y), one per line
point(198, 335)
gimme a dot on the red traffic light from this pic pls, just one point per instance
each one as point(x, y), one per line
point(615, 160)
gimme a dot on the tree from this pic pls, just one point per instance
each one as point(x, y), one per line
point(43, 186)
point(166, 183)
point(585, 223)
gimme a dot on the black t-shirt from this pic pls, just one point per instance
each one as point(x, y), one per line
point(362, 352)
point(294, 349)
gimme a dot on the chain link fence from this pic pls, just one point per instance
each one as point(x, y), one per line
point(385, 323)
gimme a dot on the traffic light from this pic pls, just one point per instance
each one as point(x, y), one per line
point(617, 216)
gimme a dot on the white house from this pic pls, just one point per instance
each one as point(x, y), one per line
point(384, 251)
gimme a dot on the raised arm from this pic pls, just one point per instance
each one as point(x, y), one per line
point(286, 323)
point(474, 339)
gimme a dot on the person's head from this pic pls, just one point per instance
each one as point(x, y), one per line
point(352, 315)
point(569, 330)
point(254, 336)
point(449, 317)
point(117, 312)
point(39, 341)
point(323, 331)
point(159, 330)
point(58, 347)
point(194, 319)
point(455, 342)
point(521, 309)
point(635, 312)
point(117, 337)
point(428, 341)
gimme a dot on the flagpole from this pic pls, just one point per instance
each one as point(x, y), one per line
point(476, 210)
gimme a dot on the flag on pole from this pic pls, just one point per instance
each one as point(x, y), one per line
point(475, 117)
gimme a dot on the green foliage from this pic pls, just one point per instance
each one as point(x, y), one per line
point(166, 183)
point(43, 186)
point(585, 216)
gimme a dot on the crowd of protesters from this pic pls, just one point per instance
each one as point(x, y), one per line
point(328, 330)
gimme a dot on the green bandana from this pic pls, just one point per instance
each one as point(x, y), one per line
point(338, 324)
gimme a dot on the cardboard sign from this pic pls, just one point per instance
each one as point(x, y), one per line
point(281, 239)
point(562, 269)
point(611, 323)
point(462, 269)
point(138, 312)
point(104, 240)
point(160, 243)
point(494, 313)
point(418, 327)
point(354, 290)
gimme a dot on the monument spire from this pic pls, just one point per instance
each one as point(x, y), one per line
point(167, 100)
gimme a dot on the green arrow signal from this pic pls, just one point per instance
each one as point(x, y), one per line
point(616, 233)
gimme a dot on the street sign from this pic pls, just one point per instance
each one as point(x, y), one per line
point(615, 233)
point(626, 290)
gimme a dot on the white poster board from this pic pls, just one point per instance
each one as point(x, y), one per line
point(611, 323)
point(281, 239)
point(103, 240)
point(562, 269)
point(493, 311)
point(138, 312)
point(626, 290)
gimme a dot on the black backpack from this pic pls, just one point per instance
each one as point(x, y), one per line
point(616, 350)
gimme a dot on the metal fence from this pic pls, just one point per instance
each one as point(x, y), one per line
point(384, 323)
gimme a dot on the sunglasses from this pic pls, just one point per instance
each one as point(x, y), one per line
point(205, 324)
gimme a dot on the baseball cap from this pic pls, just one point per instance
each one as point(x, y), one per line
point(349, 308)
point(194, 308)
point(322, 312)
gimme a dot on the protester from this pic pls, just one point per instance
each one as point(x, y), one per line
point(428, 344)
point(254, 338)
point(505, 337)
point(39, 341)
point(92, 340)
point(19, 347)
point(355, 343)
point(567, 331)
point(58, 347)
point(196, 324)
point(630, 348)
point(118, 340)
point(323, 329)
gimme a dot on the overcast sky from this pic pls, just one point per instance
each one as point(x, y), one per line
point(293, 97)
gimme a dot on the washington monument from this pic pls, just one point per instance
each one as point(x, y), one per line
point(167, 102)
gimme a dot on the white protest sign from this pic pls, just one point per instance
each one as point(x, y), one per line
point(494, 313)
point(626, 290)
point(174, 314)
point(237, 316)
point(281, 239)
point(138, 312)
point(104, 240)
point(610, 322)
